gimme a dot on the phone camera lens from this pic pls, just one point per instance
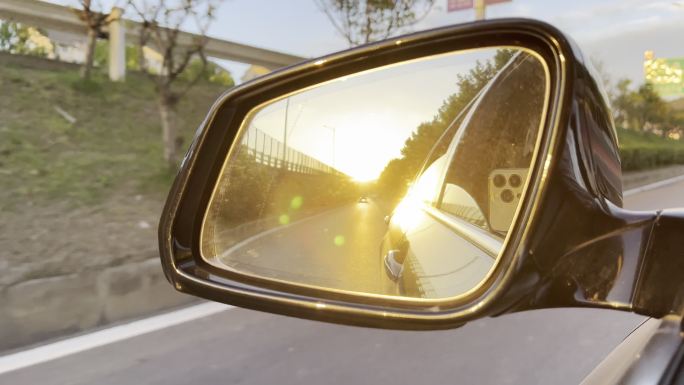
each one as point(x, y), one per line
point(507, 196)
point(499, 180)
point(515, 180)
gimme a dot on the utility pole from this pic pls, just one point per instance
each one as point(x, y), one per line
point(333, 128)
point(479, 6)
point(287, 108)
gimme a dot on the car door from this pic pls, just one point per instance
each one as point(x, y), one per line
point(448, 230)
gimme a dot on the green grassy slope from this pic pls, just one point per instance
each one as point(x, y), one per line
point(115, 144)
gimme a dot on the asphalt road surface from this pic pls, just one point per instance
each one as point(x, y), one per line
point(669, 196)
point(337, 248)
point(559, 346)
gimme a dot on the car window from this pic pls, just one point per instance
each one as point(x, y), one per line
point(485, 190)
point(426, 187)
point(457, 201)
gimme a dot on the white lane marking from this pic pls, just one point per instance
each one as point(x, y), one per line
point(44, 353)
point(653, 186)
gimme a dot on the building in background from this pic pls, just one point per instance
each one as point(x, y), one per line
point(666, 75)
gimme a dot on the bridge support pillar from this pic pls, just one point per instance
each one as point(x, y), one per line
point(117, 45)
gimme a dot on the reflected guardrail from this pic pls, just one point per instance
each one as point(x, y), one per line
point(269, 151)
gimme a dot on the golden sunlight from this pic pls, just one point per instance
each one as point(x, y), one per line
point(365, 143)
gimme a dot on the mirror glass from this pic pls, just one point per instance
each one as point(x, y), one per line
point(401, 181)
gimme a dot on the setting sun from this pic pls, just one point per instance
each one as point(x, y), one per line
point(365, 144)
point(357, 124)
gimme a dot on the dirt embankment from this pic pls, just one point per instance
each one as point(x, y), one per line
point(80, 200)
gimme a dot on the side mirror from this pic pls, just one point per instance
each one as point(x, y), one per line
point(293, 197)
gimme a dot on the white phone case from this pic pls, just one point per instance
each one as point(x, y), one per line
point(505, 189)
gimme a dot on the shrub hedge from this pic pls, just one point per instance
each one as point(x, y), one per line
point(640, 151)
point(644, 157)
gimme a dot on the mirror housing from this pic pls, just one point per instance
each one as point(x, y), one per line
point(571, 243)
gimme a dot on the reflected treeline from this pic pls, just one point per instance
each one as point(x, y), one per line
point(400, 172)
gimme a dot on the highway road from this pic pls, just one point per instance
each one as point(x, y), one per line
point(238, 346)
point(337, 248)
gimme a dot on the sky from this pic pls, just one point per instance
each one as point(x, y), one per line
point(613, 32)
point(342, 122)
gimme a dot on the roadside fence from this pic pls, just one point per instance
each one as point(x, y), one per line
point(271, 152)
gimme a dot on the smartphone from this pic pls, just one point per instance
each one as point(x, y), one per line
point(505, 189)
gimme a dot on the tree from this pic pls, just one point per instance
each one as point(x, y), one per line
point(622, 103)
point(365, 21)
point(101, 56)
point(91, 13)
point(161, 30)
point(650, 107)
point(399, 172)
point(604, 76)
point(641, 109)
point(208, 71)
point(17, 38)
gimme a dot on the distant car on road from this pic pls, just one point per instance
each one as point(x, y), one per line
point(363, 199)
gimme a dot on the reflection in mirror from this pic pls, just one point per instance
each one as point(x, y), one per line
point(402, 181)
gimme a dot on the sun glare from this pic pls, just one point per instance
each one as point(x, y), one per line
point(366, 143)
point(364, 176)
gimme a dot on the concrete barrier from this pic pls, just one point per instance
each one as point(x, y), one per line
point(44, 308)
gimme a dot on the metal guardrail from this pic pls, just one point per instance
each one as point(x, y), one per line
point(271, 152)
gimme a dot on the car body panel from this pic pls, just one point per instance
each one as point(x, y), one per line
point(437, 263)
point(651, 354)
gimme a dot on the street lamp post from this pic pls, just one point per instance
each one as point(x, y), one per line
point(479, 6)
point(287, 109)
point(333, 128)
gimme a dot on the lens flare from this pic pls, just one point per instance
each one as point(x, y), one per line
point(296, 202)
point(339, 240)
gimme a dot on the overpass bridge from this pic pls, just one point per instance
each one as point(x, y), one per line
point(63, 24)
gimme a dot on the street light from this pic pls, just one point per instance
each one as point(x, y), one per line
point(287, 109)
point(333, 128)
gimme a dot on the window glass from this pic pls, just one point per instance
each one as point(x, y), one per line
point(426, 187)
point(482, 186)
